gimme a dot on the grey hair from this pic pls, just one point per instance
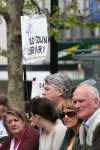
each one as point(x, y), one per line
point(96, 93)
point(93, 90)
point(60, 81)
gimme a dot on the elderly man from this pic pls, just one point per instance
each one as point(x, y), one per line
point(57, 87)
point(86, 101)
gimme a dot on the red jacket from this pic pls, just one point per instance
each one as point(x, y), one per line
point(30, 141)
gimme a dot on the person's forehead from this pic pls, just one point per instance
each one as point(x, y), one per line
point(50, 86)
point(80, 98)
point(81, 95)
point(12, 117)
point(82, 90)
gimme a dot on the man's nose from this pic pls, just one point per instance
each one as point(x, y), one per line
point(77, 105)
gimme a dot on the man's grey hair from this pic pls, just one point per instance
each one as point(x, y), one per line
point(92, 90)
point(60, 81)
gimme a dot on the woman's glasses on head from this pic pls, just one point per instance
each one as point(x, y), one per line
point(69, 114)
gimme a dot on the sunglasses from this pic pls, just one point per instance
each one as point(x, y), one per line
point(69, 114)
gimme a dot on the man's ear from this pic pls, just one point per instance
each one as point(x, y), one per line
point(60, 92)
point(97, 102)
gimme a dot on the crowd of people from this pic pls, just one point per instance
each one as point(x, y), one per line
point(61, 118)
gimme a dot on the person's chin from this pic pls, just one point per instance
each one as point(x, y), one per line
point(80, 113)
point(15, 132)
point(80, 116)
point(68, 125)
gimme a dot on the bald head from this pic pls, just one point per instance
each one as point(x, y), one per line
point(88, 90)
point(86, 100)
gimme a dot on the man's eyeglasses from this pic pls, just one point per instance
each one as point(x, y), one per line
point(69, 114)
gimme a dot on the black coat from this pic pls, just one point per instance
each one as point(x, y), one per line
point(68, 136)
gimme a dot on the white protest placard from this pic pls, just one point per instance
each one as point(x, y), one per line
point(34, 37)
point(36, 87)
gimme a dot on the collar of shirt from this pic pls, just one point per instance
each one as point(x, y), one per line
point(91, 119)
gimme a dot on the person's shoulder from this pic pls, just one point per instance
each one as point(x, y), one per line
point(60, 124)
point(32, 131)
point(31, 134)
point(29, 140)
point(60, 127)
point(96, 122)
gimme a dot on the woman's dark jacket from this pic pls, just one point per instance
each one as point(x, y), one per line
point(68, 136)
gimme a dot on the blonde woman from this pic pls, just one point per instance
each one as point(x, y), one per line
point(71, 121)
point(21, 136)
